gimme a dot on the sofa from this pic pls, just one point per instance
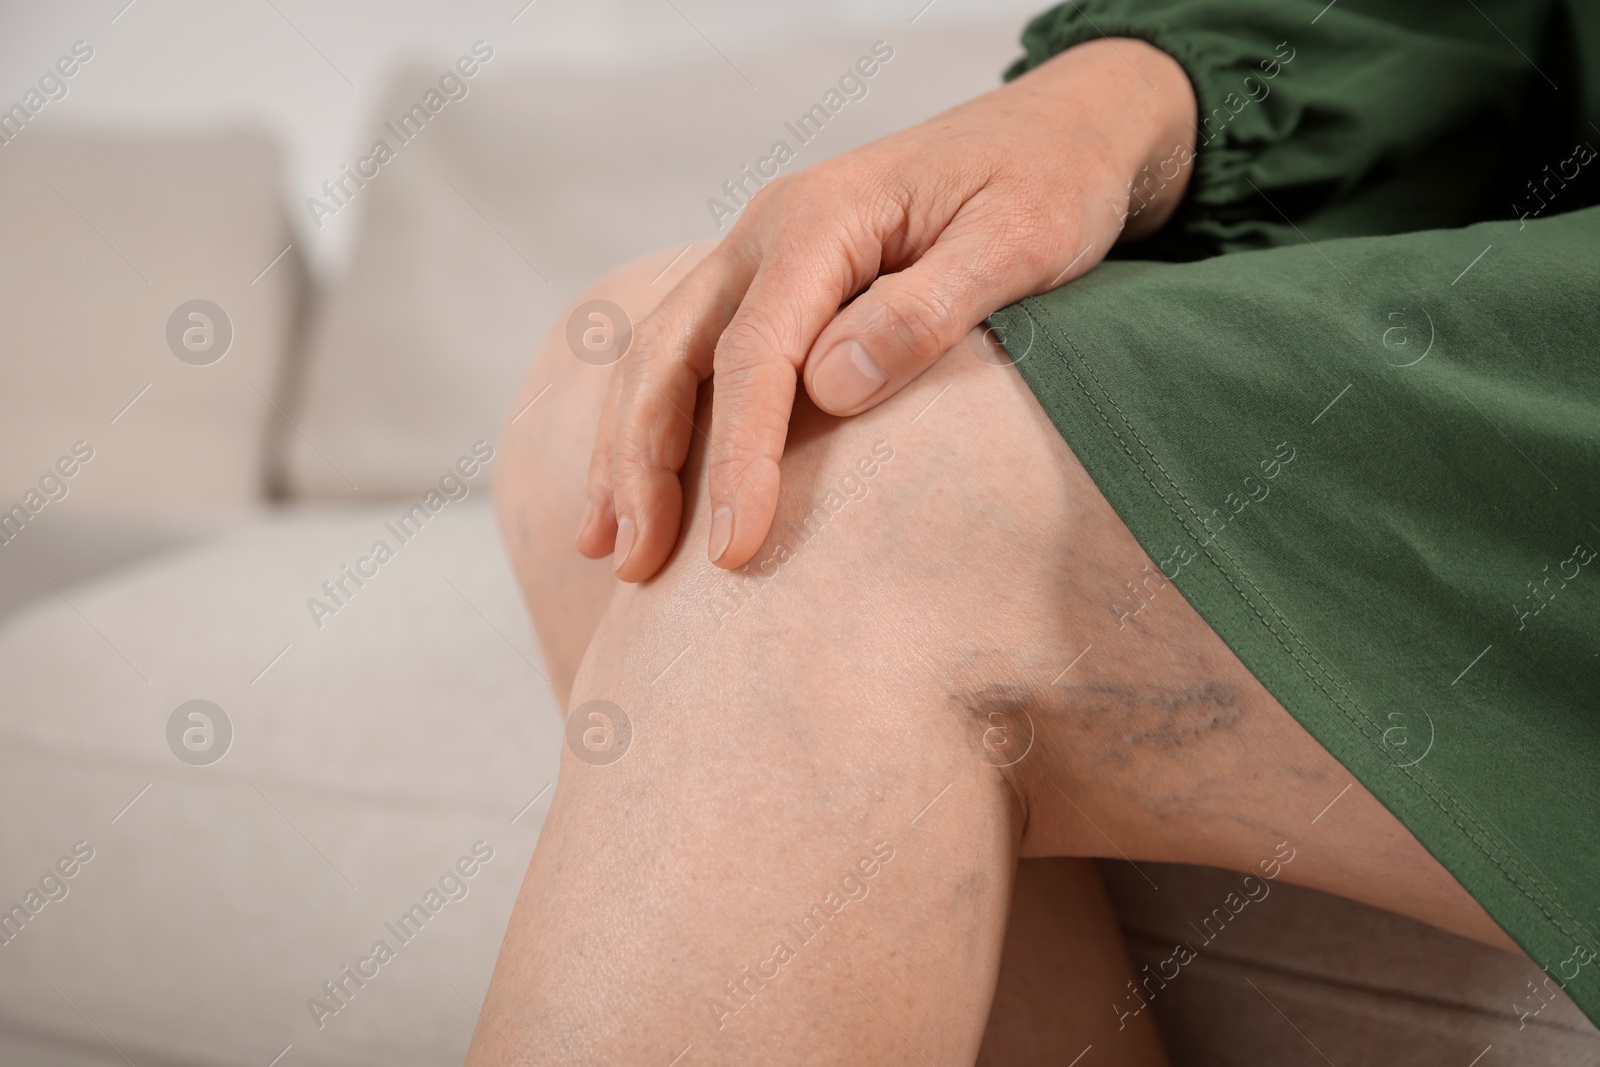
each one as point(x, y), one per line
point(228, 767)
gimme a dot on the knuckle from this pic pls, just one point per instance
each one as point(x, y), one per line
point(769, 206)
point(773, 192)
point(831, 189)
point(819, 183)
point(745, 400)
point(646, 336)
point(741, 466)
point(650, 342)
point(655, 439)
point(752, 333)
point(735, 456)
point(631, 467)
point(920, 315)
point(641, 377)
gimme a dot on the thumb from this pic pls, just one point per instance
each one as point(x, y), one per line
point(906, 320)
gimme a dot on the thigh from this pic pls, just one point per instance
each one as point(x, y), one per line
point(1064, 967)
point(951, 534)
point(917, 677)
point(774, 847)
point(1061, 939)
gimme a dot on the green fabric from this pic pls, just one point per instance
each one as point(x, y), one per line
point(1370, 523)
point(1382, 116)
point(1365, 446)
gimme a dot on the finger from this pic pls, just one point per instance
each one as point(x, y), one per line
point(907, 320)
point(597, 530)
point(798, 288)
point(654, 417)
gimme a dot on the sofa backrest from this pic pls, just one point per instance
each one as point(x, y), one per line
point(494, 211)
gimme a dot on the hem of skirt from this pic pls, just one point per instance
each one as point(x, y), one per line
point(1106, 441)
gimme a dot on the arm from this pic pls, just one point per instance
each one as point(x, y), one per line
point(1352, 118)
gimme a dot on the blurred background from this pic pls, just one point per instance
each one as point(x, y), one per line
point(240, 746)
point(269, 698)
point(314, 76)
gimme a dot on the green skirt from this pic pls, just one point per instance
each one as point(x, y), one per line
point(1372, 466)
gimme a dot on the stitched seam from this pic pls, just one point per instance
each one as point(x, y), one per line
point(1470, 835)
point(1354, 704)
point(1483, 846)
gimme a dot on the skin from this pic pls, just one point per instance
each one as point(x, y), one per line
point(936, 673)
point(856, 274)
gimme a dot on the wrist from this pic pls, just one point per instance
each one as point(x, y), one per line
point(1157, 183)
point(1144, 110)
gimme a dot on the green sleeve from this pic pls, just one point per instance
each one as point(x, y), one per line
point(1372, 465)
point(1356, 117)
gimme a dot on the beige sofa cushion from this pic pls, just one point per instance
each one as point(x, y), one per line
point(363, 764)
point(1291, 977)
point(485, 226)
point(106, 236)
point(372, 754)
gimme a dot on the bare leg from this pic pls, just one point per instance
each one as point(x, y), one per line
point(895, 697)
point(1064, 957)
point(540, 490)
point(544, 461)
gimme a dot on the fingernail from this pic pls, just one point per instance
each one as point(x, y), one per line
point(721, 531)
point(625, 534)
point(846, 376)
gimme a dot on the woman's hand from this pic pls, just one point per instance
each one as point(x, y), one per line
point(860, 271)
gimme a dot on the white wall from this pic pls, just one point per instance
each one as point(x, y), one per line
point(311, 71)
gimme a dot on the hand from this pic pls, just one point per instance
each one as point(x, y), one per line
point(860, 271)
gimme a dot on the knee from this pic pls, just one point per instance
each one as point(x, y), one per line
point(540, 482)
point(549, 430)
point(873, 558)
